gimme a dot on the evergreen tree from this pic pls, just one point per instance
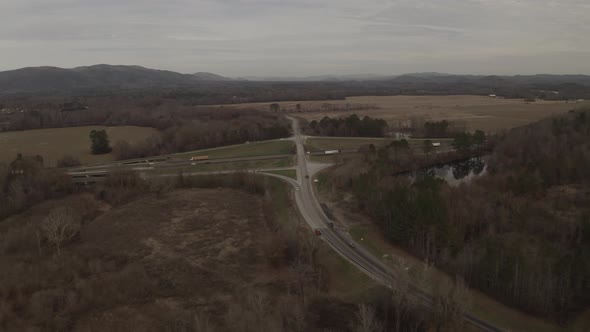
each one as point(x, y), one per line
point(99, 142)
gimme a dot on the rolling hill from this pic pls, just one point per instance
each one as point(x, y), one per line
point(93, 77)
point(117, 78)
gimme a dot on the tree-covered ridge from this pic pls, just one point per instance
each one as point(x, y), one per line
point(521, 233)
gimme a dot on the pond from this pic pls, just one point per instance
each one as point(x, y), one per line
point(457, 172)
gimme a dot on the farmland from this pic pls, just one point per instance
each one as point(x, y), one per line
point(52, 144)
point(478, 112)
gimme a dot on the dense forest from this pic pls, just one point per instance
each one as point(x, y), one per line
point(351, 126)
point(521, 233)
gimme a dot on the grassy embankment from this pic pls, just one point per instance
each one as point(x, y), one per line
point(291, 173)
point(244, 150)
point(345, 280)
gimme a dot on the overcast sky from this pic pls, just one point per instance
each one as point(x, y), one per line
point(301, 37)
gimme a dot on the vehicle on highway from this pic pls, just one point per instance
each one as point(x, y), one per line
point(318, 232)
point(331, 151)
point(436, 144)
point(198, 158)
point(350, 243)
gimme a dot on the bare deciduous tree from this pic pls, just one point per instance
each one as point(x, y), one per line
point(60, 225)
point(401, 292)
point(201, 323)
point(451, 301)
point(161, 186)
point(366, 320)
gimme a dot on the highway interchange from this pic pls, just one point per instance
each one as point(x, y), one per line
point(306, 200)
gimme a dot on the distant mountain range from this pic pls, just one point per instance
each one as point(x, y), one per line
point(318, 78)
point(99, 76)
point(494, 79)
point(53, 79)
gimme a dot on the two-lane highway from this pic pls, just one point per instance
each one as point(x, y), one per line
point(341, 242)
point(305, 198)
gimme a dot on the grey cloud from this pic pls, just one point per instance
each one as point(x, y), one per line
point(300, 37)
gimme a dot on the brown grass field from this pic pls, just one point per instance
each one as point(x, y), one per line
point(159, 260)
point(54, 143)
point(479, 112)
point(167, 262)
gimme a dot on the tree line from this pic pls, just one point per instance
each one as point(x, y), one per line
point(324, 107)
point(143, 110)
point(182, 127)
point(350, 126)
point(208, 129)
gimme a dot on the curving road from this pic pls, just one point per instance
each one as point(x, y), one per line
point(340, 241)
point(307, 203)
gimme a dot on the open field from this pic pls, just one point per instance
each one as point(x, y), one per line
point(244, 150)
point(478, 112)
point(53, 144)
point(191, 251)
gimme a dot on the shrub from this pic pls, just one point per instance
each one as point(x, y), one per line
point(68, 161)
